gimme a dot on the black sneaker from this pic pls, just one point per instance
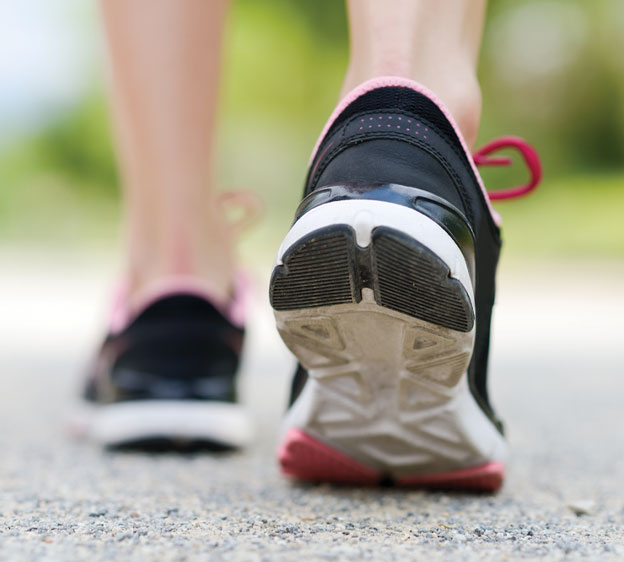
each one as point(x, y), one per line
point(165, 378)
point(383, 289)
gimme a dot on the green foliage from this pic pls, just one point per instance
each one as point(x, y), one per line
point(76, 145)
point(80, 144)
point(567, 217)
point(549, 72)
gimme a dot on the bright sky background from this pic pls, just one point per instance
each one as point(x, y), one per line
point(49, 55)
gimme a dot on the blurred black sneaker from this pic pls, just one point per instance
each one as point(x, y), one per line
point(383, 289)
point(165, 375)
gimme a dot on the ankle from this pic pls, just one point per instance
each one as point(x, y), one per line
point(150, 280)
point(208, 262)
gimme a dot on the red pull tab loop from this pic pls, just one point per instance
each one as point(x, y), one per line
point(531, 159)
point(248, 205)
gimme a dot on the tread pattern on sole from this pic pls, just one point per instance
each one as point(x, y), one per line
point(328, 268)
point(386, 339)
point(317, 272)
point(410, 279)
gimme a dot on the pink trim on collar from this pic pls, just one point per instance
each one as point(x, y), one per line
point(388, 81)
point(236, 310)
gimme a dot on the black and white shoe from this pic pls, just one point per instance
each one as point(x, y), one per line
point(165, 375)
point(383, 288)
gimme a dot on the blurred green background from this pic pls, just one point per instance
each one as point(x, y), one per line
point(552, 71)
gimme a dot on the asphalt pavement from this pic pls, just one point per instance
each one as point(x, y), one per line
point(557, 378)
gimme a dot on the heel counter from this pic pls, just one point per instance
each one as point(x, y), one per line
point(450, 218)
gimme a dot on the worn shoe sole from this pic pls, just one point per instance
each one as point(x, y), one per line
point(375, 300)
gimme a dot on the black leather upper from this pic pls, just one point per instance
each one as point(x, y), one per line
point(395, 135)
point(440, 210)
point(180, 347)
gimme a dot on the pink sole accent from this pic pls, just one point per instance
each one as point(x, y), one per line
point(385, 81)
point(304, 458)
point(485, 478)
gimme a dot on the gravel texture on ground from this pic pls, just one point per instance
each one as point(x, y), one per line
point(557, 382)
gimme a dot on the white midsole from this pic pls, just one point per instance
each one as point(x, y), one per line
point(364, 215)
point(361, 400)
point(112, 424)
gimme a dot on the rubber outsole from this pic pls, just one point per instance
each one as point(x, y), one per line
point(329, 268)
point(306, 458)
point(386, 334)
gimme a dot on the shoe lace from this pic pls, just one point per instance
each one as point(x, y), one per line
point(241, 208)
point(482, 158)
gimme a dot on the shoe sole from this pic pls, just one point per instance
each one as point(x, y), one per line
point(163, 424)
point(376, 302)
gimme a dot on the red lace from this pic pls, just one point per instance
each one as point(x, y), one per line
point(529, 154)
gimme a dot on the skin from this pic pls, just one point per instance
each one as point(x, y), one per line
point(165, 80)
point(435, 43)
point(165, 72)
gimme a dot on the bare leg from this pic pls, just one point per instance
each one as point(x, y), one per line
point(433, 42)
point(165, 75)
